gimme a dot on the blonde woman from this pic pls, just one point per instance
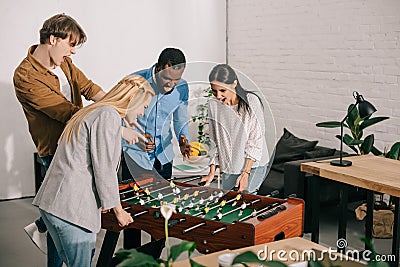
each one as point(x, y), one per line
point(82, 178)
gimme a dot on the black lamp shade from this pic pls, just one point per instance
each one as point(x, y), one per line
point(365, 109)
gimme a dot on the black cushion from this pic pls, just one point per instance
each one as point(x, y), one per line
point(274, 181)
point(319, 153)
point(278, 167)
point(290, 147)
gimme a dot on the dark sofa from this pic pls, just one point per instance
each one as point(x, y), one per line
point(285, 175)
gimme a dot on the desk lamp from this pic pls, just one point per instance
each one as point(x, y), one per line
point(364, 109)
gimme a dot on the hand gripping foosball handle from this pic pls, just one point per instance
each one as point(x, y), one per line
point(204, 183)
point(190, 178)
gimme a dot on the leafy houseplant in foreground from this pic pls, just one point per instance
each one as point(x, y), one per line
point(132, 258)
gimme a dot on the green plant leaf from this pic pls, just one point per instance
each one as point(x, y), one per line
point(195, 264)
point(376, 151)
point(370, 245)
point(329, 124)
point(315, 264)
point(378, 264)
point(350, 141)
point(249, 256)
point(355, 142)
point(353, 116)
point(177, 250)
point(394, 152)
point(122, 254)
point(347, 138)
point(134, 258)
point(367, 145)
point(368, 122)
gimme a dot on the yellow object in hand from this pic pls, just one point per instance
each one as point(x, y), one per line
point(197, 149)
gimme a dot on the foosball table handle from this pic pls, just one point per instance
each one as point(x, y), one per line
point(175, 222)
point(272, 212)
point(219, 230)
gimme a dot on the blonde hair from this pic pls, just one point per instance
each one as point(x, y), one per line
point(131, 88)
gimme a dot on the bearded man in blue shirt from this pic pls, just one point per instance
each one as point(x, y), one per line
point(168, 106)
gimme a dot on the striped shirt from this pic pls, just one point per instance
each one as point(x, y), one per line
point(236, 136)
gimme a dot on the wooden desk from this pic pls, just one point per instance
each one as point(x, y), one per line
point(297, 244)
point(376, 174)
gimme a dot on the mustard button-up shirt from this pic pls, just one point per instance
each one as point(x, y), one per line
point(45, 107)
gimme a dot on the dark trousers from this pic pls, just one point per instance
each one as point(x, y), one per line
point(164, 170)
point(53, 258)
point(132, 237)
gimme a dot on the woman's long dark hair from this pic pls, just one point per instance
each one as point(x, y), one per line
point(224, 73)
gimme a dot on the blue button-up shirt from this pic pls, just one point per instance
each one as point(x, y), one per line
point(163, 109)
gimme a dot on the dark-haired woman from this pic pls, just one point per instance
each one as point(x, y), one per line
point(237, 133)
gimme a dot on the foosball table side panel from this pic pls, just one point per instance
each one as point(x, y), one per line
point(286, 224)
point(230, 236)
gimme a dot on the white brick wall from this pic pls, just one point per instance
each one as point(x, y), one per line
point(309, 56)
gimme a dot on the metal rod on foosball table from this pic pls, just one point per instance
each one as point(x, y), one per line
point(136, 190)
point(139, 187)
point(199, 203)
point(190, 179)
point(267, 208)
point(139, 213)
point(242, 207)
point(193, 227)
point(238, 196)
point(136, 214)
point(273, 193)
point(255, 213)
point(223, 228)
point(188, 196)
point(160, 196)
point(172, 185)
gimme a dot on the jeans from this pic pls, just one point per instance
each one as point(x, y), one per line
point(53, 259)
point(256, 178)
point(74, 244)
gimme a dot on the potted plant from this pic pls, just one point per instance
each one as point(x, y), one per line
point(356, 125)
point(202, 118)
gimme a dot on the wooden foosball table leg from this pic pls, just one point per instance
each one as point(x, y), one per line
point(107, 249)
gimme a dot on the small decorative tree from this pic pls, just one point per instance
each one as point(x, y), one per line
point(202, 118)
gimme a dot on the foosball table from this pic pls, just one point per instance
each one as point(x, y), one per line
point(212, 218)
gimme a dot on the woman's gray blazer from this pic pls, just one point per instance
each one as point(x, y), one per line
point(82, 178)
